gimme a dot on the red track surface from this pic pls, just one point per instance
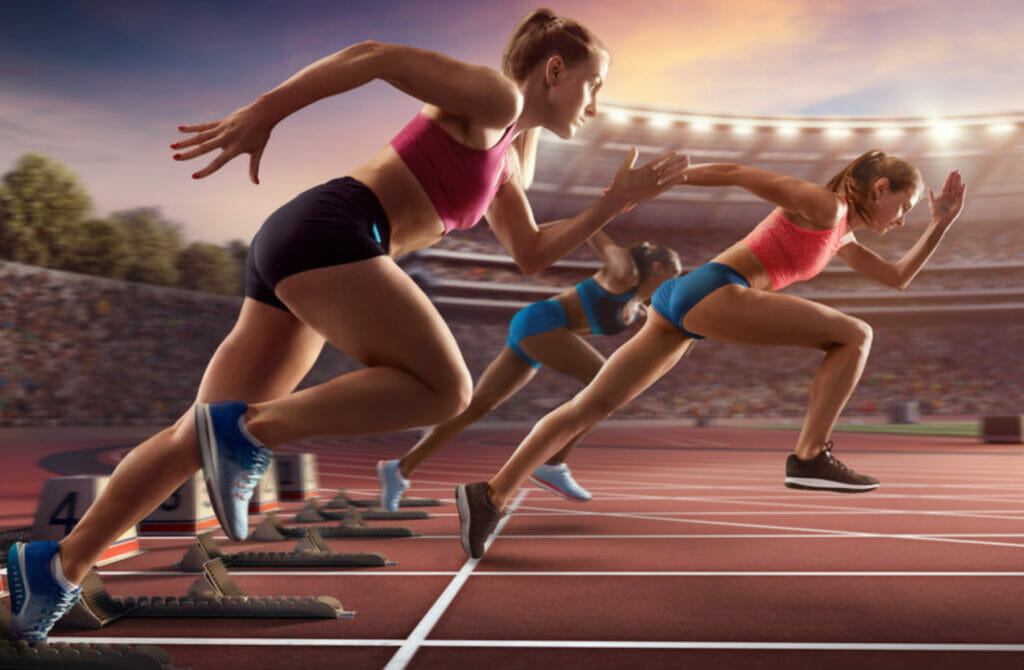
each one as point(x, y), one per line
point(692, 555)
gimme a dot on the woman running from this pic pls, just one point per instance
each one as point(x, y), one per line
point(733, 299)
point(322, 268)
point(551, 332)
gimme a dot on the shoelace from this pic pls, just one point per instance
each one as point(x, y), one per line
point(48, 617)
point(251, 477)
point(828, 455)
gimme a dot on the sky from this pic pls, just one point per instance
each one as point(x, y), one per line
point(101, 86)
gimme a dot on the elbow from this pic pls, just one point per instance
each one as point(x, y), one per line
point(529, 267)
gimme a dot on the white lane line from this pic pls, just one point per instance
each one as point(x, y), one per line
point(550, 644)
point(608, 573)
point(419, 634)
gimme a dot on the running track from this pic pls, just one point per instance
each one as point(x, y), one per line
point(692, 555)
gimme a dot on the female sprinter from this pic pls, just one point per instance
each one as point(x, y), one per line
point(551, 332)
point(733, 299)
point(322, 269)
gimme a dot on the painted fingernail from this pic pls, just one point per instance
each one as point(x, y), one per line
point(181, 127)
point(195, 176)
point(175, 145)
point(176, 156)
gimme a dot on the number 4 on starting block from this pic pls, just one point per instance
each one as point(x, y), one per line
point(62, 504)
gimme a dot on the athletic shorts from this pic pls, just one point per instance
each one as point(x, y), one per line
point(332, 224)
point(678, 295)
point(535, 318)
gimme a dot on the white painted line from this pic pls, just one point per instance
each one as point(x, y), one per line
point(604, 573)
point(419, 634)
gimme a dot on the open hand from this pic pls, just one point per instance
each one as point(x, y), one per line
point(244, 131)
point(636, 184)
point(947, 206)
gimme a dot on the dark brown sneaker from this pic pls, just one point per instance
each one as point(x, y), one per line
point(477, 516)
point(825, 472)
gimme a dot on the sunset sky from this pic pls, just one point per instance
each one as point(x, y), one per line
point(102, 85)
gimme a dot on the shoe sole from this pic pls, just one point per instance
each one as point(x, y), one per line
point(557, 491)
point(16, 575)
point(805, 484)
point(208, 457)
point(462, 503)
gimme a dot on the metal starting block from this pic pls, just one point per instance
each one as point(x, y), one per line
point(311, 552)
point(214, 594)
point(20, 656)
point(272, 530)
point(341, 500)
point(313, 512)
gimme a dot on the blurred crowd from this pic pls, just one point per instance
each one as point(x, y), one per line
point(78, 350)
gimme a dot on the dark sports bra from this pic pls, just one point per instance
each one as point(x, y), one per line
point(603, 309)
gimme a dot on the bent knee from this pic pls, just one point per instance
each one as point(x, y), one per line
point(856, 334)
point(453, 392)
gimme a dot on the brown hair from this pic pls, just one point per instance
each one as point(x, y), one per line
point(540, 35)
point(854, 182)
point(645, 255)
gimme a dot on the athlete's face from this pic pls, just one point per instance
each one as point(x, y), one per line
point(573, 92)
point(888, 208)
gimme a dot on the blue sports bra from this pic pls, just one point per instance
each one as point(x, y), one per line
point(603, 309)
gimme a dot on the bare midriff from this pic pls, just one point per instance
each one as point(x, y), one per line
point(741, 259)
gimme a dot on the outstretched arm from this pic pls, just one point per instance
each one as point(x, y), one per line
point(536, 247)
point(809, 201)
point(462, 89)
point(944, 211)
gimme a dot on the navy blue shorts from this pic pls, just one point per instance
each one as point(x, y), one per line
point(535, 318)
point(332, 224)
point(678, 295)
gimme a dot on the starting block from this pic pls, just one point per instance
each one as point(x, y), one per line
point(1003, 429)
point(187, 511)
point(272, 530)
point(314, 513)
point(296, 476)
point(214, 594)
point(264, 498)
point(311, 552)
point(341, 500)
point(80, 656)
point(64, 501)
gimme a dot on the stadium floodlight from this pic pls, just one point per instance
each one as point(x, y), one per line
point(701, 125)
point(617, 116)
point(787, 129)
point(889, 131)
point(660, 121)
point(944, 130)
point(838, 132)
point(742, 129)
point(1002, 128)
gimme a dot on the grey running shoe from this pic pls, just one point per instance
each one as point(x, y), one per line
point(477, 516)
point(825, 472)
point(558, 480)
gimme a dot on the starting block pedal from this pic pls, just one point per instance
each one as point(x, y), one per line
point(296, 476)
point(64, 501)
point(311, 552)
point(213, 595)
point(272, 530)
point(187, 511)
point(313, 512)
point(341, 500)
point(1003, 429)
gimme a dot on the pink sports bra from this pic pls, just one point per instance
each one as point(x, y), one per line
point(790, 253)
point(460, 180)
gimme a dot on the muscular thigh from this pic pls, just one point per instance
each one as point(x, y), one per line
point(375, 313)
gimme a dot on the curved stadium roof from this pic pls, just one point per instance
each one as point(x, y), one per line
point(987, 149)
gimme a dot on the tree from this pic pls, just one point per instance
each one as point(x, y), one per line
point(209, 268)
point(154, 243)
point(101, 248)
point(41, 204)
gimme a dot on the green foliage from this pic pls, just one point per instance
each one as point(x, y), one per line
point(208, 268)
point(41, 205)
point(100, 248)
point(154, 243)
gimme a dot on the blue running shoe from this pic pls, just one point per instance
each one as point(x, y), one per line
point(233, 462)
point(392, 484)
point(558, 480)
point(37, 599)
